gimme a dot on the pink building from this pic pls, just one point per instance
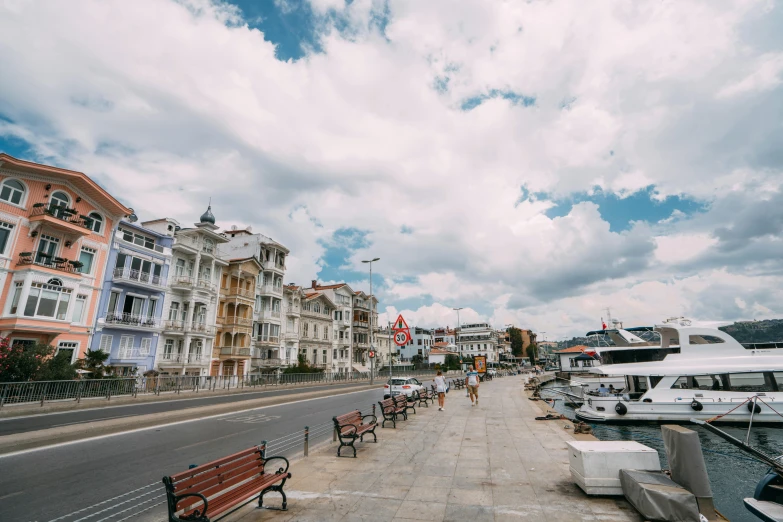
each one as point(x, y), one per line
point(55, 229)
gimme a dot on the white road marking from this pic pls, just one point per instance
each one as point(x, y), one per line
point(214, 439)
point(94, 420)
point(90, 439)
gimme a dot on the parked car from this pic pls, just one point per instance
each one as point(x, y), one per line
point(492, 371)
point(405, 385)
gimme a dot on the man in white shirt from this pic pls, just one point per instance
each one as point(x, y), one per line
point(472, 382)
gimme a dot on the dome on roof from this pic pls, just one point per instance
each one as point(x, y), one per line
point(207, 216)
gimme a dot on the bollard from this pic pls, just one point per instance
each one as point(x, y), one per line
point(373, 409)
point(334, 435)
point(307, 440)
point(193, 466)
point(263, 452)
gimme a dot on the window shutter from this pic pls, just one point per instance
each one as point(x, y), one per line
point(126, 345)
point(145, 346)
point(106, 343)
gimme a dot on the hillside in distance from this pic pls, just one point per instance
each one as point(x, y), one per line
point(756, 331)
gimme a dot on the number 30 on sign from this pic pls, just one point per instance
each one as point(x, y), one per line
point(401, 338)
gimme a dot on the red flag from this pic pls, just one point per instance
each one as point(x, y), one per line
point(603, 324)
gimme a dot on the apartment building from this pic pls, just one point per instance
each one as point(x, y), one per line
point(445, 335)
point(236, 309)
point(342, 297)
point(420, 343)
point(385, 345)
point(478, 339)
point(131, 304)
point(55, 229)
point(268, 309)
point(316, 332)
point(293, 296)
point(365, 324)
point(189, 324)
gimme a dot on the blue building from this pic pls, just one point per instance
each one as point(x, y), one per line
point(129, 312)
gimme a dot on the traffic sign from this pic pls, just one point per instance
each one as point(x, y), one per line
point(371, 354)
point(401, 337)
point(400, 324)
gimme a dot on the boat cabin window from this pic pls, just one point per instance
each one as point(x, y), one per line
point(636, 386)
point(636, 355)
point(754, 382)
point(702, 382)
point(705, 339)
point(654, 380)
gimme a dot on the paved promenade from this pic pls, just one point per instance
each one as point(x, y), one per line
point(492, 462)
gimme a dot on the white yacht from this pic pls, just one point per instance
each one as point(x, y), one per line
point(712, 376)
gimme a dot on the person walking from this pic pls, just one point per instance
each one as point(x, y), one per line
point(440, 388)
point(472, 383)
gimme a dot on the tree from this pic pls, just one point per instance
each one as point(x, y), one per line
point(516, 341)
point(418, 361)
point(532, 352)
point(58, 368)
point(94, 362)
point(302, 366)
point(451, 362)
point(21, 362)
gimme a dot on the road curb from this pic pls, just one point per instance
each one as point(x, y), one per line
point(52, 436)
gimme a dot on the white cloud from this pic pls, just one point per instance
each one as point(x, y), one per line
point(170, 103)
point(767, 74)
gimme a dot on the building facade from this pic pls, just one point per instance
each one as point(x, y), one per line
point(190, 313)
point(293, 296)
point(478, 339)
point(129, 313)
point(420, 343)
point(342, 297)
point(365, 324)
point(55, 229)
point(315, 340)
point(236, 310)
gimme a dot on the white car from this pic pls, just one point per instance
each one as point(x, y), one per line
point(492, 371)
point(405, 385)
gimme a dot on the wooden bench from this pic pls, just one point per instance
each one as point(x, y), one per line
point(403, 401)
point(424, 396)
point(213, 490)
point(390, 411)
point(458, 383)
point(351, 426)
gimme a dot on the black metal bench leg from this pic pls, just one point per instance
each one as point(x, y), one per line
point(279, 489)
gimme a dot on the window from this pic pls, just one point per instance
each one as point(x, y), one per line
point(67, 347)
point(315, 331)
point(86, 257)
point(137, 239)
point(126, 347)
point(326, 333)
point(168, 349)
point(15, 299)
point(144, 350)
point(47, 300)
point(419, 343)
point(179, 268)
point(334, 353)
point(12, 191)
point(316, 307)
point(78, 309)
point(5, 235)
point(106, 341)
point(47, 249)
point(113, 301)
point(174, 311)
point(96, 222)
point(323, 360)
point(60, 199)
point(305, 329)
point(752, 382)
point(151, 309)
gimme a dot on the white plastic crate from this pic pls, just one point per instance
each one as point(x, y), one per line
point(596, 465)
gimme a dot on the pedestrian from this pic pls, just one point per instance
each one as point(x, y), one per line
point(472, 382)
point(440, 387)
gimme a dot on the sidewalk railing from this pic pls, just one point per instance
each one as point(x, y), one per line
point(106, 389)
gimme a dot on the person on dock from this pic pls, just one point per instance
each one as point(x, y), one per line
point(440, 388)
point(472, 383)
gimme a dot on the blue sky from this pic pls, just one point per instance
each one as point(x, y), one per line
point(404, 131)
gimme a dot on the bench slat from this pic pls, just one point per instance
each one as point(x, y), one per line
point(233, 481)
point(215, 471)
point(229, 499)
point(209, 465)
point(226, 474)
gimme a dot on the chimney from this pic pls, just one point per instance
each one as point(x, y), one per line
point(315, 283)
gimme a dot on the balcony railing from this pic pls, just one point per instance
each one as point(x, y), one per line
point(268, 339)
point(272, 265)
point(191, 282)
point(132, 320)
point(241, 292)
point(45, 260)
point(234, 350)
point(235, 319)
point(69, 215)
point(268, 361)
point(362, 324)
point(204, 328)
point(127, 274)
point(292, 310)
point(172, 325)
point(172, 357)
point(266, 313)
point(271, 289)
point(133, 353)
point(197, 358)
point(291, 336)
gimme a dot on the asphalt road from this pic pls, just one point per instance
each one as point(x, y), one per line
point(67, 482)
point(53, 420)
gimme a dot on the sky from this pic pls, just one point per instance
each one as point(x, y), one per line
point(534, 163)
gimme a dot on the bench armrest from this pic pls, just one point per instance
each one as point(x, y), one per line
point(374, 418)
point(340, 429)
point(281, 470)
point(202, 513)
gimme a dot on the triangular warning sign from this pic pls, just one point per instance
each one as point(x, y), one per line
point(400, 324)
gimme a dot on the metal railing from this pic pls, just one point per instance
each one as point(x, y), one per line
point(235, 319)
point(62, 213)
point(137, 276)
point(269, 339)
point(233, 350)
point(132, 320)
point(45, 260)
point(130, 387)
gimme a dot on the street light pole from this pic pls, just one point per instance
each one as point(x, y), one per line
point(372, 348)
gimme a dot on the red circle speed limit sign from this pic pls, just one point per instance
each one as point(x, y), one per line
point(401, 338)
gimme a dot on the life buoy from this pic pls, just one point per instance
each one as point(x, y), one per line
point(696, 405)
point(757, 409)
point(621, 409)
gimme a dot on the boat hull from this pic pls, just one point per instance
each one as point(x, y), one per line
point(676, 412)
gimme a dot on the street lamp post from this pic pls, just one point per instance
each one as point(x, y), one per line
point(459, 331)
point(372, 348)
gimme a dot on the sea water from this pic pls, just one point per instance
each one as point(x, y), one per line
point(733, 474)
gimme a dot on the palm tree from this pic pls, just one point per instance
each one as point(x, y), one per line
point(94, 362)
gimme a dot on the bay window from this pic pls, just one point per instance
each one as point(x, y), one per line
point(48, 300)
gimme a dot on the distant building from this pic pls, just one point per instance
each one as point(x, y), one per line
point(420, 344)
point(440, 351)
point(568, 362)
point(478, 339)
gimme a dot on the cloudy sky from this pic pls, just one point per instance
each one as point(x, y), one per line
point(534, 162)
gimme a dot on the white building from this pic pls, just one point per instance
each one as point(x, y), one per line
point(316, 330)
point(268, 311)
point(478, 339)
point(445, 335)
point(341, 296)
point(190, 308)
point(421, 343)
point(440, 351)
point(292, 308)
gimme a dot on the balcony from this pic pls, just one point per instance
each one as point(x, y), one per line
point(198, 358)
point(267, 340)
point(235, 320)
point(292, 310)
point(272, 265)
point(52, 262)
point(174, 326)
point(235, 291)
point(124, 274)
point(270, 290)
point(265, 313)
point(132, 321)
point(133, 353)
point(190, 283)
point(61, 218)
point(291, 336)
point(172, 357)
point(361, 324)
point(201, 328)
point(266, 362)
point(233, 351)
